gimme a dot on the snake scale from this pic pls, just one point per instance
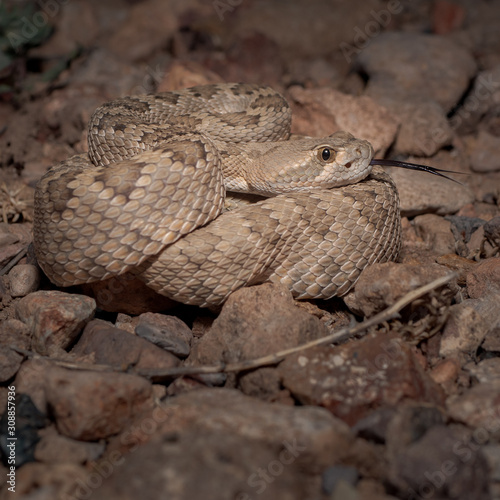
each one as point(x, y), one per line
point(149, 199)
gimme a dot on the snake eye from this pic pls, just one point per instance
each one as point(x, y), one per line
point(326, 154)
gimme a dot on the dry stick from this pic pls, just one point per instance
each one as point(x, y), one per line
point(272, 359)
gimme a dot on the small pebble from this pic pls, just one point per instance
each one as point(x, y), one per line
point(24, 279)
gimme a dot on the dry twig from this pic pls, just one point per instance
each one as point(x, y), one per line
point(272, 359)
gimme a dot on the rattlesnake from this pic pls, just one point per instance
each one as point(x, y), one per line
point(148, 198)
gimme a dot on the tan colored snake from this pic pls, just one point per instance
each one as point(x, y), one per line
point(149, 196)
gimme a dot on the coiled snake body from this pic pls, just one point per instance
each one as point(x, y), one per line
point(149, 198)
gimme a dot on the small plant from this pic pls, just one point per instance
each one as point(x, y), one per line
point(21, 27)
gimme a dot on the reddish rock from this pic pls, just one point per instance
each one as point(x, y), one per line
point(319, 72)
point(115, 347)
point(445, 372)
point(475, 246)
point(436, 233)
point(10, 362)
point(54, 318)
point(89, 405)
point(248, 327)
point(353, 379)
point(447, 16)
point(484, 278)
point(48, 481)
point(184, 384)
point(468, 324)
point(6, 237)
point(321, 438)
point(247, 53)
point(77, 28)
point(482, 210)
point(14, 332)
point(460, 265)
point(56, 449)
point(30, 380)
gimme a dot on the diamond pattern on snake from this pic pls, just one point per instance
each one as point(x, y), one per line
point(158, 196)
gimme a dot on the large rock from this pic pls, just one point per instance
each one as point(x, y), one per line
point(206, 464)
point(420, 66)
point(318, 438)
point(249, 327)
point(352, 379)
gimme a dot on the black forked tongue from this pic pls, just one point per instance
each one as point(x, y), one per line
point(415, 166)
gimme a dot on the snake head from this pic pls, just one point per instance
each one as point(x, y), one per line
point(298, 165)
point(351, 157)
point(325, 163)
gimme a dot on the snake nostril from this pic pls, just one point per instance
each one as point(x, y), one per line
point(348, 164)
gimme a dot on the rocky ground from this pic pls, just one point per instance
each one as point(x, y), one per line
point(409, 408)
